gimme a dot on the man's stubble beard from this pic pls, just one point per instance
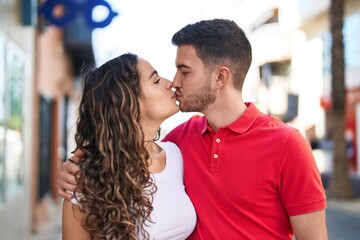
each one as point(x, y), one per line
point(199, 100)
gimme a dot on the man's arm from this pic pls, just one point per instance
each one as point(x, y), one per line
point(310, 226)
point(71, 223)
point(67, 182)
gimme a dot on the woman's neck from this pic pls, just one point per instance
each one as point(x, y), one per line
point(157, 160)
point(150, 130)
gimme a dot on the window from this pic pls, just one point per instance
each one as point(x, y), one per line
point(14, 159)
point(2, 116)
point(12, 66)
point(351, 34)
point(352, 49)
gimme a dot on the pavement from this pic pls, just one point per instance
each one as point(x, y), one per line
point(342, 218)
point(351, 207)
point(51, 229)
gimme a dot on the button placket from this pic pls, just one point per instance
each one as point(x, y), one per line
point(215, 157)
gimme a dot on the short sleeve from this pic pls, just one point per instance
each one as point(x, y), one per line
point(300, 185)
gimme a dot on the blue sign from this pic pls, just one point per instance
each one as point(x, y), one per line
point(71, 9)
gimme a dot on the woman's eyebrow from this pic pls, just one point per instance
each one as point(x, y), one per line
point(153, 73)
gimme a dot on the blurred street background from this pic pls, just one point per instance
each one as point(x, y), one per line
point(305, 71)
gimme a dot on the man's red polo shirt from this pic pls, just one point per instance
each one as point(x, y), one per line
point(246, 179)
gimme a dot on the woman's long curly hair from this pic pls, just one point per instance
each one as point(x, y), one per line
point(114, 179)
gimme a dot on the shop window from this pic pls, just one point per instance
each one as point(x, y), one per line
point(14, 159)
point(2, 116)
point(12, 66)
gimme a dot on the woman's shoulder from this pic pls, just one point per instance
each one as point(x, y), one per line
point(172, 151)
point(168, 146)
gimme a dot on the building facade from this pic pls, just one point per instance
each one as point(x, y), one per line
point(17, 81)
point(39, 65)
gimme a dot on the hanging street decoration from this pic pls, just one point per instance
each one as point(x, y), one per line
point(62, 12)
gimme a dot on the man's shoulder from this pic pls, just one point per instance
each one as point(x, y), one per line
point(191, 126)
point(275, 122)
point(194, 121)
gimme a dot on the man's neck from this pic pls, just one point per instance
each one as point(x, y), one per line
point(224, 111)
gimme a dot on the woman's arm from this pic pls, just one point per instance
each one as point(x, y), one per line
point(71, 223)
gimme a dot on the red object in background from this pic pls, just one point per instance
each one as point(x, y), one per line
point(352, 98)
point(325, 102)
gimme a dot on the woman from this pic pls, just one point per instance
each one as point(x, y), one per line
point(131, 187)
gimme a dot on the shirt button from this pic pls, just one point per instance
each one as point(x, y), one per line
point(218, 140)
point(216, 156)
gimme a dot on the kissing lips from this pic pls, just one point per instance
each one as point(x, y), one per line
point(178, 95)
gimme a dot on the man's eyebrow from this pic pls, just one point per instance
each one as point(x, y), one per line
point(182, 66)
point(153, 73)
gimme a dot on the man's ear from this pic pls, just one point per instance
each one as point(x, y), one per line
point(223, 76)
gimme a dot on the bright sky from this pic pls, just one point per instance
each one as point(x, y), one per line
point(145, 27)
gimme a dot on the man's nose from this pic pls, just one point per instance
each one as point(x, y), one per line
point(176, 82)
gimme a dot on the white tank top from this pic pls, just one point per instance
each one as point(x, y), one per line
point(173, 215)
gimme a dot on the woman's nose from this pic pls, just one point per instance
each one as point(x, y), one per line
point(168, 84)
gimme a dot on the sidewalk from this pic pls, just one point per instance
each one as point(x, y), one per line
point(343, 219)
point(51, 230)
point(351, 207)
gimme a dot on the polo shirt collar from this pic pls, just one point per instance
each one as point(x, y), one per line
point(240, 125)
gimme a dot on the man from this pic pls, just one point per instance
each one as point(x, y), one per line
point(249, 175)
